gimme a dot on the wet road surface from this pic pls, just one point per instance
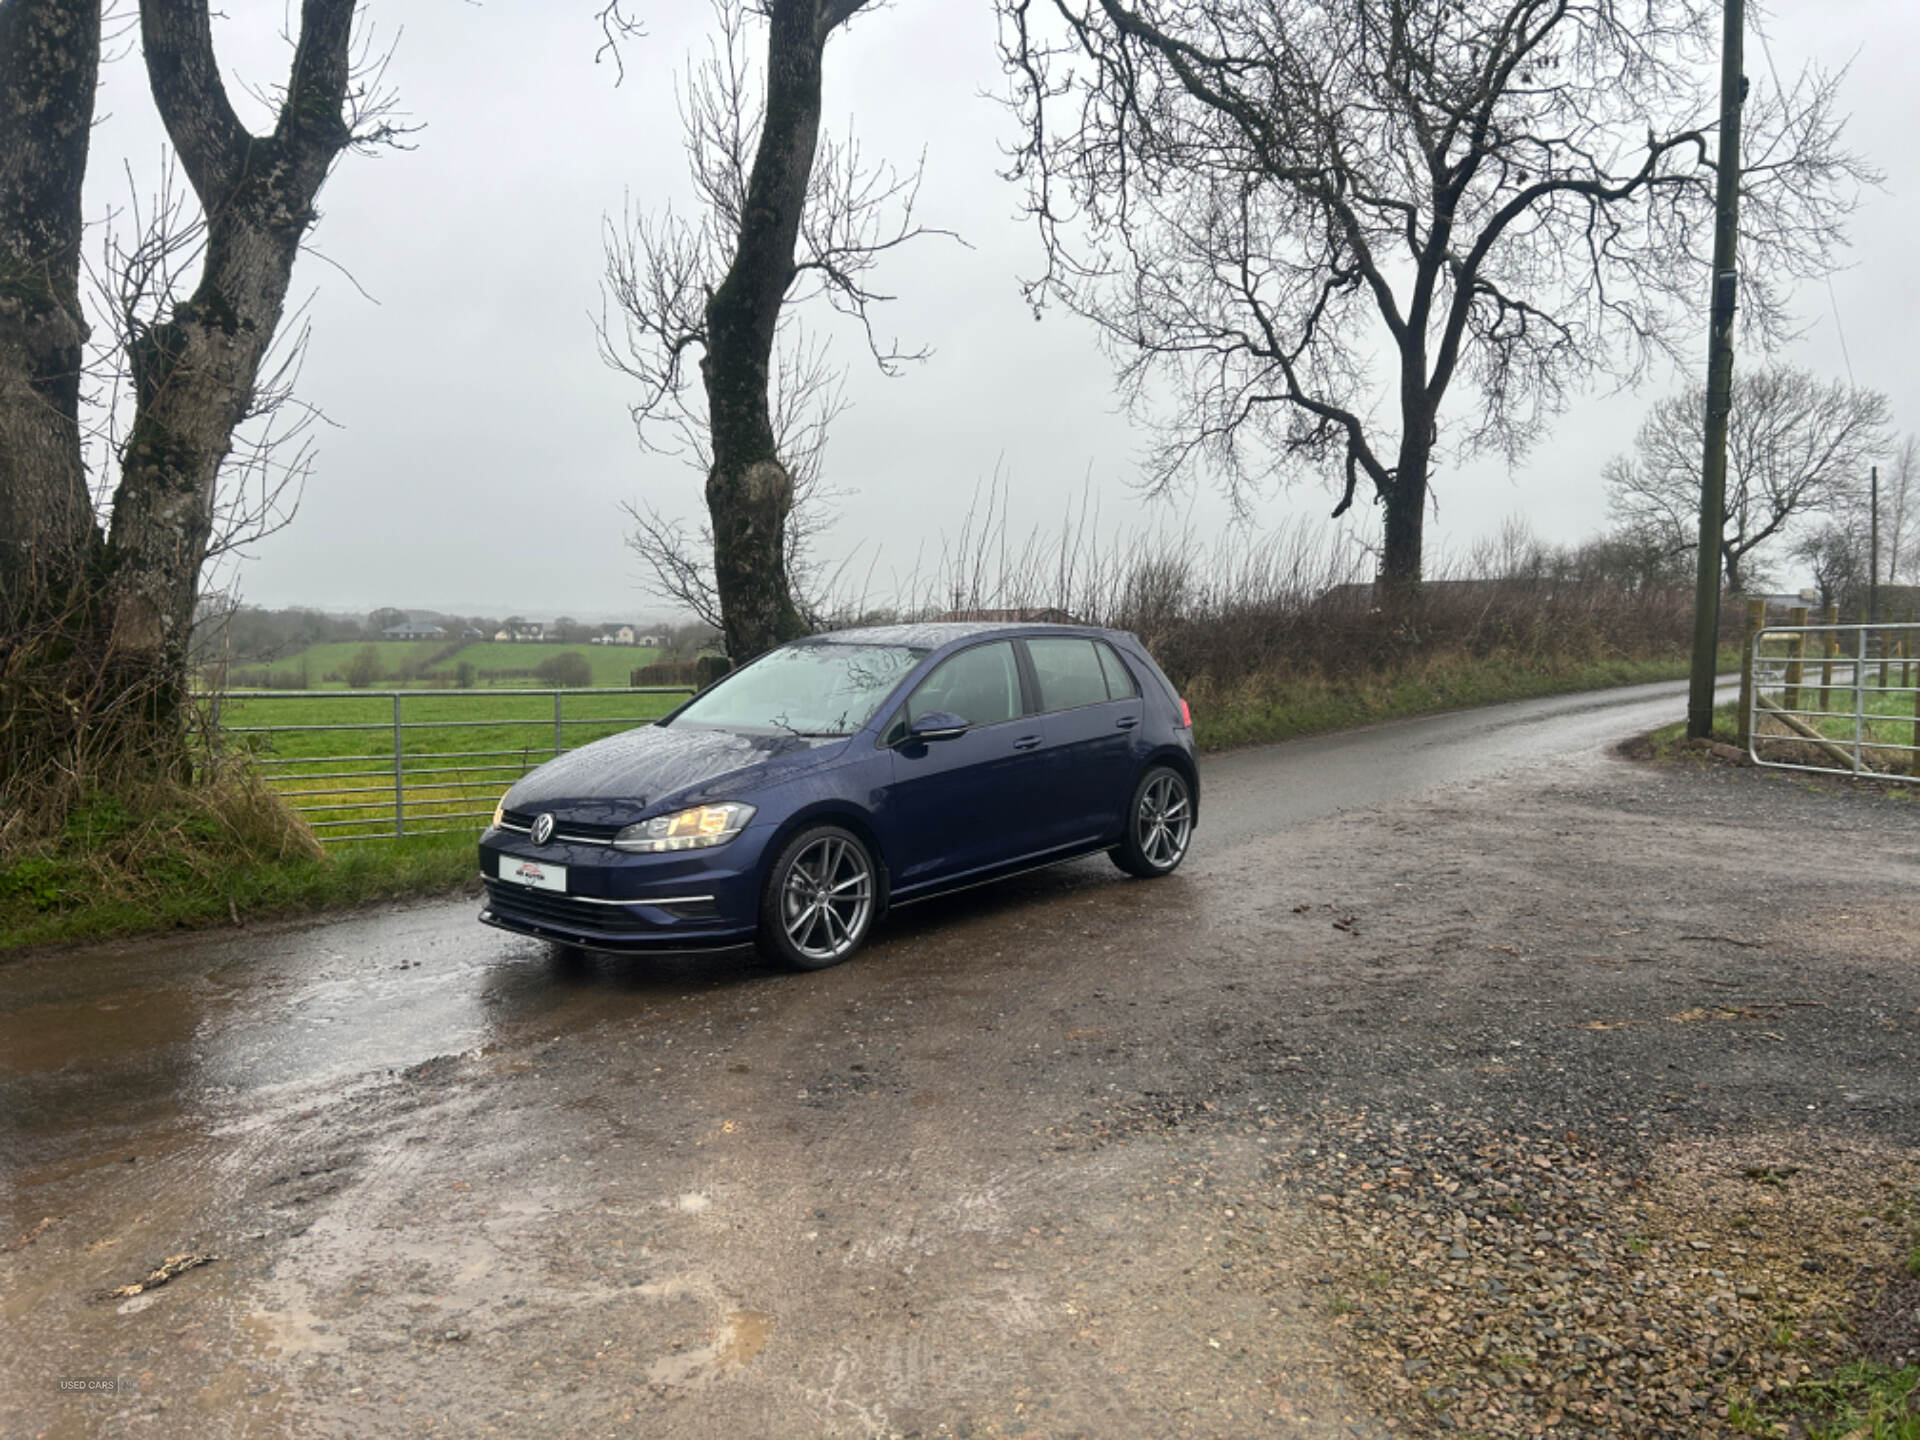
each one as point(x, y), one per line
point(457, 1186)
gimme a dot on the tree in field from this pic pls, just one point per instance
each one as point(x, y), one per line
point(1840, 553)
point(1301, 224)
point(783, 217)
point(98, 607)
point(1900, 512)
point(363, 669)
point(1797, 449)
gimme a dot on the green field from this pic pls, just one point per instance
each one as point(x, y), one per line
point(469, 750)
point(1891, 711)
point(611, 664)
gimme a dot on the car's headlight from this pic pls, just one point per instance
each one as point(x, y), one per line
point(499, 812)
point(695, 829)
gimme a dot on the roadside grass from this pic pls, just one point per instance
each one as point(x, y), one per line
point(1861, 1401)
point(611, 665)
point(1265, 708)
point(177, 857)
point(1669, 743)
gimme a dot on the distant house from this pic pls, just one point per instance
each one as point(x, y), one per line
point(623, 635)
point(655, 642)
point(469, 633)
point(521, 630)
point(414, 630)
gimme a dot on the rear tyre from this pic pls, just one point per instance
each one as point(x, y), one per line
point(1159, 825)
point(820, 899)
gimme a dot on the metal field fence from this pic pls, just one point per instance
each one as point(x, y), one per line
point(1827, 697)
point(385, 764)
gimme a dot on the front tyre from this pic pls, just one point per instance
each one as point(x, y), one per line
point(1159, 825)
point(819, 899)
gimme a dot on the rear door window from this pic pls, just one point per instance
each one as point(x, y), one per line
point(1069, 672)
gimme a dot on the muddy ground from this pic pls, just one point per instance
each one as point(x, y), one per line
point(1565, 1098)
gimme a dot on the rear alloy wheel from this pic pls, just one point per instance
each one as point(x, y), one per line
point(819, 900)
point(1159, 825)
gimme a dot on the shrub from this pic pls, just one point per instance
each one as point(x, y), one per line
point(364, 668)
point(568, 668)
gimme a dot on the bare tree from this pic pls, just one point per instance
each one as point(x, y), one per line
point(1899, 500)
point(1836, 553)
point(1796, 448)
point(197, 371)
point(782, 217)
point(1309, 219)
point(97, 673)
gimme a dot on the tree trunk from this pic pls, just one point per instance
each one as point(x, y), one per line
point(1405, 504)
point(193, 380)
point(49, 66)
point(749, 492)
point(49, 645)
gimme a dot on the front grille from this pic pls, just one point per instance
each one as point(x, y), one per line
point(564, 829)
point(564, 910)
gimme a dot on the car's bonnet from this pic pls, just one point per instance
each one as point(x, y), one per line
point(626, 773)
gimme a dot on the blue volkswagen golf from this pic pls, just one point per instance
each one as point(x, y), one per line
point(793, 802)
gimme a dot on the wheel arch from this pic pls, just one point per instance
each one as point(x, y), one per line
point(1174, 758)
point(849, 817)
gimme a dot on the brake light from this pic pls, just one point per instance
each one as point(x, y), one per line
point(1186, 716)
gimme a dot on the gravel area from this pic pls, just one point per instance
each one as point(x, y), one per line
point(1599, 1114)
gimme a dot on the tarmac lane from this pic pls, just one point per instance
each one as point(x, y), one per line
point(1015, 1170)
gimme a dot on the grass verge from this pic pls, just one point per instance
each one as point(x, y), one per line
point(172, 858)
point(1266, 708)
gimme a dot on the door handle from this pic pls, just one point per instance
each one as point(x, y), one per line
point(1127, 722)
point(1026, 742)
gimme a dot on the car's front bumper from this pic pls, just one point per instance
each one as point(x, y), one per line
point(690, 899)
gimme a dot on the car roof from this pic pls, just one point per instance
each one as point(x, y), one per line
point(934, 634)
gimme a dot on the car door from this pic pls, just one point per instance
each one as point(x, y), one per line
point(966, 804)
point(1092, 709)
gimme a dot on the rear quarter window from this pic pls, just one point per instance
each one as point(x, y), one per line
point(1119, 683)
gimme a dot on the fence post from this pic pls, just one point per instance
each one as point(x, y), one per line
point(399, 790)
point(1830, 647)
point(1860, 702)
point(1755, 622)
point(1797, 647)
point(556, 723)
point(1913, 756)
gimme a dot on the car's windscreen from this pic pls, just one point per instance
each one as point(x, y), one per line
point(813, 689)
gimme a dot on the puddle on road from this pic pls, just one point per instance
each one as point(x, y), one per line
point(740, 1337)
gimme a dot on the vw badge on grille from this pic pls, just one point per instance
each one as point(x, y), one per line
point(542, 829)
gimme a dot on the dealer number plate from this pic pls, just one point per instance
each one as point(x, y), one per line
point(533, 874)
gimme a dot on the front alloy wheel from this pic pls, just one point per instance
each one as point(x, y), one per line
point(819, 900)
point(1159, 824)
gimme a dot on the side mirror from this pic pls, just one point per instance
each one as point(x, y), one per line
point(937, 725)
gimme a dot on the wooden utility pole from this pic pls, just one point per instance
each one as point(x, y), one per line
point(1873, 549)
point(1713, 469)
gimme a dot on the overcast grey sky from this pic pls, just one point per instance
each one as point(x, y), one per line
point(483, 451)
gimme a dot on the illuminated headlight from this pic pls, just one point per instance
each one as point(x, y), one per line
point(689, 830)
